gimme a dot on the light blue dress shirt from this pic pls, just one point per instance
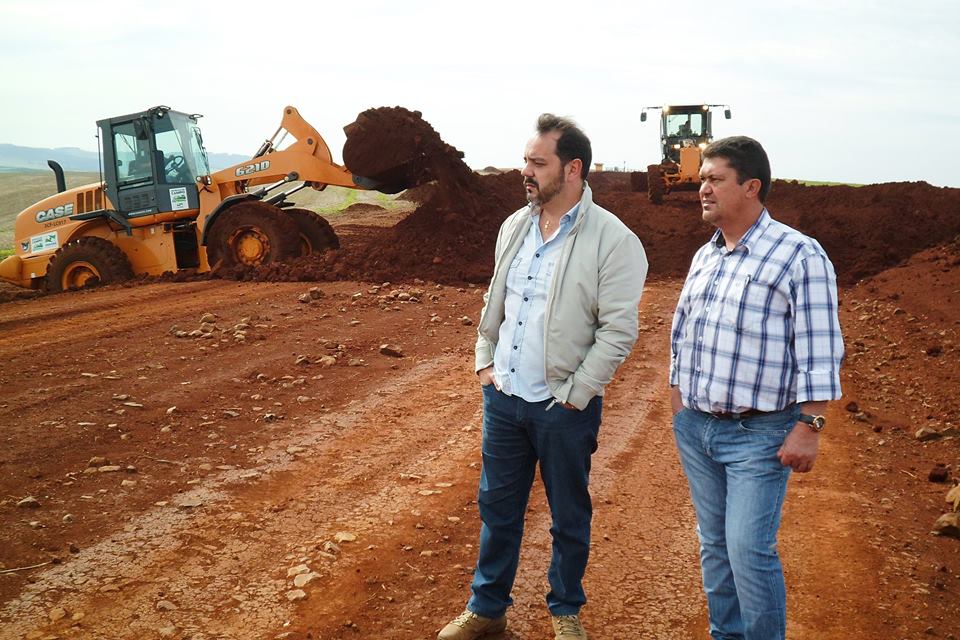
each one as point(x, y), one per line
point(518, 362)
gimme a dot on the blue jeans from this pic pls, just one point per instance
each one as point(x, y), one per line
point(738, 484)
point(517, 434)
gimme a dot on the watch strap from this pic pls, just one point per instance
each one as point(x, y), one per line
point(816, 423)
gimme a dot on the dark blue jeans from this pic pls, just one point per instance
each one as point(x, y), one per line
point(516, 435)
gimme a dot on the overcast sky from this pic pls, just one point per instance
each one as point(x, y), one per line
point(852, 91)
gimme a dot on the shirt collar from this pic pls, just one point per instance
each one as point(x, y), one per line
point(570, 215)
point(749, 239)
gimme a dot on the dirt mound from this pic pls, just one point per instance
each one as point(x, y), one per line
point(450, 238)
point(927, 285)
point(419, 193)
point(362, 207)
point(10, 292)
point(670, 232)
point(868, 229)
point(864, 230)
point(397, 148)
point(609, 180)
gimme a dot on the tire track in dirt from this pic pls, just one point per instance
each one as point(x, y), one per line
point(642, 580)
point(398, 467)
point(255, 523)
point(398, 470)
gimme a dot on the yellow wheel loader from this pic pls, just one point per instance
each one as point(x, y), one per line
point(158, 207)
point(685, 131)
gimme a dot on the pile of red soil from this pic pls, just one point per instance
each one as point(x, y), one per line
point(398, 149)
point(450, 237)
point(864, 230)
point(928, 284)
point(867, 229)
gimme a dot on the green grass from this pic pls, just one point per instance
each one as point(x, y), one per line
point(19, 190)
point(333, 200)
point(5, 252)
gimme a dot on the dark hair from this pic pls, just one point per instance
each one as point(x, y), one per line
point(747, 158)
point(572, 144)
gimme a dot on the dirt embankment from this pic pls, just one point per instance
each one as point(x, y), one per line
point(864, 230)
point(449, 237)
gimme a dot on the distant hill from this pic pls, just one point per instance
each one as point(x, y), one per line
point(15, 158)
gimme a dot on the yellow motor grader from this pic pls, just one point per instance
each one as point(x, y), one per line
point(685, 130)
point(159, 208)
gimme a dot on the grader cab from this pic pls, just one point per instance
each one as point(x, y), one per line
point(685, 130)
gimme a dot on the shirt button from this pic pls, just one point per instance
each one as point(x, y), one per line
point(700, 339)
point(538, 255)
point(698, 369)
point(525, 299)
point(520, 323)
point(529, 277)
point(707, 309)
point(513, 370)
point(514, 347)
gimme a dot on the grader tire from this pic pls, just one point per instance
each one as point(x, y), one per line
point(251, 234)
point(655, 186)
point(316, 234)
point(86, 262)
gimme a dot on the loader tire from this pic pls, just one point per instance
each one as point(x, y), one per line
point(316, 234)
point(86, 262)
point(655, 186)
point(251, 234)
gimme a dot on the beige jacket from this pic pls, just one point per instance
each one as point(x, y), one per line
point(591, 316)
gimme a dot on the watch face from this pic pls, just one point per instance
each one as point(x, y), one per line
point(819, 421)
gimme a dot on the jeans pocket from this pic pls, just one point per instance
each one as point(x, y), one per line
point(764, 426)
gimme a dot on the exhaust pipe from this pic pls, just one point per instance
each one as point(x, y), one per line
point(58, 172)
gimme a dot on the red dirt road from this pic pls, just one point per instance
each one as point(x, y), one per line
point(265, 463)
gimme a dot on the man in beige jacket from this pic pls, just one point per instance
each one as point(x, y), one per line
point(559, 317)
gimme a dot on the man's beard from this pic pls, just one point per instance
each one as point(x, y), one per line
point(544, 193)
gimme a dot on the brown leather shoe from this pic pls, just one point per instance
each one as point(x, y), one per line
point(470, 626)
point(568, 628)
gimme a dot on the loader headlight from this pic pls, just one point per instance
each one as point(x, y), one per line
point(702, 145)
point(676, 146)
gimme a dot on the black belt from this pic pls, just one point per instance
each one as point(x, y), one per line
point(742, 414)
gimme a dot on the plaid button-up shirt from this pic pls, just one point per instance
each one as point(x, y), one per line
point(757, 327)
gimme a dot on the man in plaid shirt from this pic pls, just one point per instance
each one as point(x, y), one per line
point(755, 356)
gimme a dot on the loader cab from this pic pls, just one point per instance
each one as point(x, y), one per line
point(152, 160)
